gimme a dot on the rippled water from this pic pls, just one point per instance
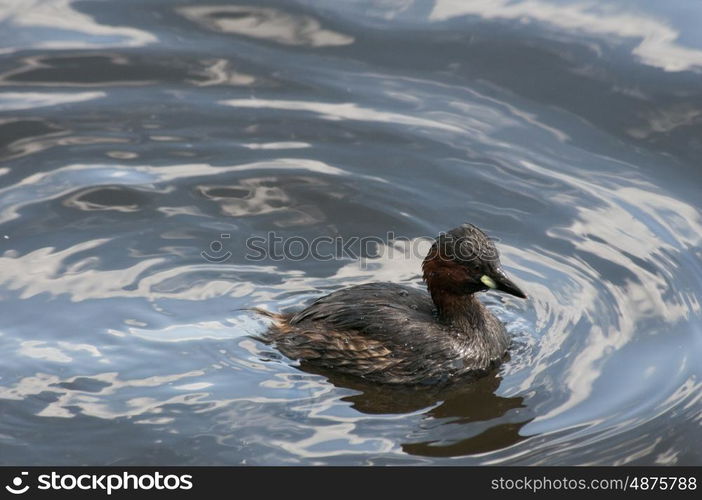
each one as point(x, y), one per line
point(134, 134)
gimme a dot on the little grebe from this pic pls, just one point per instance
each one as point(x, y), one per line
point(390, 333)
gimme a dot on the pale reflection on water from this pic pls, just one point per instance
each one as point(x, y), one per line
point(267, 24)
point(657, 41)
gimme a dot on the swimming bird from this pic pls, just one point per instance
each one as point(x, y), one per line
point(395, 334)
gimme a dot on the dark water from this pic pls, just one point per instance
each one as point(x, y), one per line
point(136, 133)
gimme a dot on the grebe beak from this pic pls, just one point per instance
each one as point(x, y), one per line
point(500, 281)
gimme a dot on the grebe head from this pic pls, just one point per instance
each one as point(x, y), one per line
point(464, 261)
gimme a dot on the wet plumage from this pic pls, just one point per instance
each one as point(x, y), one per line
point(393, 333)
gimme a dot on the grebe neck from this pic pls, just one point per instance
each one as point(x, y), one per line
point(452, 295)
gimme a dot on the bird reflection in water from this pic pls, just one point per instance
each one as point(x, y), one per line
point(462, 418)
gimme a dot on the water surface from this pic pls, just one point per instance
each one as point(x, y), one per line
point(136, 135)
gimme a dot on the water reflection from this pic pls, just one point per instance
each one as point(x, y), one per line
point(82, 395)
point(18, 136)
point(57, 24)
point(31, 100)
point(265, 23)
point(658, 45)
point(663, 121)
point(117, 198)
point(95, 69)
point(341, 111)
point(464, 418)
point(222, 72)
